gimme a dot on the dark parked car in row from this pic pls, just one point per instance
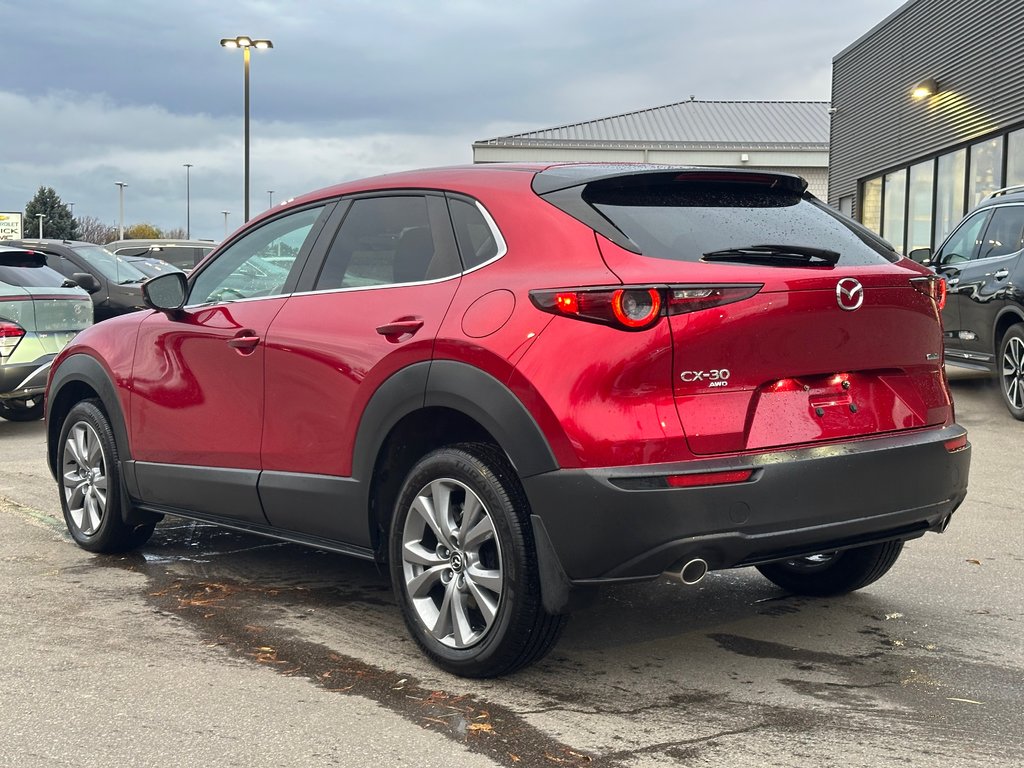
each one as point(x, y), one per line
point(513, 384)
point(118, 285)
point(40, 312)
point(982, 261)
point(183, 254)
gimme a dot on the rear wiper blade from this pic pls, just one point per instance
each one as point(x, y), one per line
point(779, 254)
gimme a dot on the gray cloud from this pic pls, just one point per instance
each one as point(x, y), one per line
point(108, 90)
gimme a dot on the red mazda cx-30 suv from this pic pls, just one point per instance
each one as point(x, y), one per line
point(512, 383)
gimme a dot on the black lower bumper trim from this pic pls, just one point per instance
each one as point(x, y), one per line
point(798, 502)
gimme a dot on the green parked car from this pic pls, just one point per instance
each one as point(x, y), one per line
point(40, 312)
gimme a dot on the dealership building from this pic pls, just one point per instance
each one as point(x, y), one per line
point(790, 136)
point(928, 117)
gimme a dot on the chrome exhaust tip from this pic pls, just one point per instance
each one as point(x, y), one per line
point(691, 573)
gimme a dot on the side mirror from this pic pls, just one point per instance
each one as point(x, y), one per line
point(87, 281)
point(922, 256)
point(166, 292)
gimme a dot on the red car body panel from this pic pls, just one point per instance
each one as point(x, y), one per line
point(196, 399)
point(325, 359)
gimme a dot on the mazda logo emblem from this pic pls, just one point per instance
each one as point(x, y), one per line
point(849, 294)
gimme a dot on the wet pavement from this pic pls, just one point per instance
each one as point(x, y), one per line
point(926, 667)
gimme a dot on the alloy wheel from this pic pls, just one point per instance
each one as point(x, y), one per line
point(1013, 372)
point(451, 563)
point(84, 475)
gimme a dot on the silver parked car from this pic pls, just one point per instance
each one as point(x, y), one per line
point(40, 312)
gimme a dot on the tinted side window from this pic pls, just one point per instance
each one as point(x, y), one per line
point(477, 243)
point(1004, 232)
point(388, 241)
point(259, 263)
point(963, 243)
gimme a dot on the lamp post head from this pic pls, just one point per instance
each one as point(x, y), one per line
point(244, 41)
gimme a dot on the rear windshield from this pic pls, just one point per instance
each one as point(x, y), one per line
point(31, 276)
point(684, 220)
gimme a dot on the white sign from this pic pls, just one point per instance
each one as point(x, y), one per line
point(10, 226)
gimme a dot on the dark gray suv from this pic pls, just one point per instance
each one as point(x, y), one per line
point(983, 263)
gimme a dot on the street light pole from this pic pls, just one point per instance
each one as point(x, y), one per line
point(225, 223)
point(40, 216)
point(120, 195)
point(188, 202)
point(270, 193)
point(245, 43)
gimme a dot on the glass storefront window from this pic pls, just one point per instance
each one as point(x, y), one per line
point(895, 213)
point(919, 213)
point(871, 205)
point(986, 168)
point(949, 192)
point(1015, 158)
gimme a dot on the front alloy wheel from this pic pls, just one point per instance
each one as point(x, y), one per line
point(91, 492)
point(1011, 371)
point(84, 474)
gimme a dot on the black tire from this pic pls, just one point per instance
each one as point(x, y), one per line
point(22, 408)
point(1010, 370)
point(91, 490)
point(833, 573)
point(484, 568)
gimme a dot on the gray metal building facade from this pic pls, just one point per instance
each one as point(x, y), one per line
point(790, 136)
point(909, 168)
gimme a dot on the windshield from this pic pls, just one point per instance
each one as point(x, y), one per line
point(684, 220)
point(113, 268)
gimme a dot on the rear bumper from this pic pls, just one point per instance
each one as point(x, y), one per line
point(24, 379)
point(797, 502)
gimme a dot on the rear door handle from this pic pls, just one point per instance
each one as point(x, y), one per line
point(244, 342)
point(1001, 274)
point(405, 326)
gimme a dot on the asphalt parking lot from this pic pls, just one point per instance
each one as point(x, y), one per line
point(209, 647)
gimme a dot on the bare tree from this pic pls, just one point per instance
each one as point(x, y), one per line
point(92, 230)
point(178, 233)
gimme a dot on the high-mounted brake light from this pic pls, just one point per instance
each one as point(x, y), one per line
point(11, 335)
point(932, 286)
point(636, 308)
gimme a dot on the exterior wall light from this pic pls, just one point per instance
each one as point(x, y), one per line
point(925, 88)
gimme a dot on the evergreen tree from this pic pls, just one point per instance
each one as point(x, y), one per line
point(58, 222)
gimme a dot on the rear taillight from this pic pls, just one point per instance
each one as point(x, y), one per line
point(11, 335)
point(932, 286)
point(637, 308)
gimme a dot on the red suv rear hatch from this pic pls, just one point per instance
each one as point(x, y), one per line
point(842, 339)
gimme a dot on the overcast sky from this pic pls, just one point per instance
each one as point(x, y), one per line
point(117, 90)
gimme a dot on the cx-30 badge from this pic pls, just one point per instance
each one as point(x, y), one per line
point(849, 294)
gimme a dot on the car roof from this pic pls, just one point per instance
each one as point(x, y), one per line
point(470, 178)
point(1001, 196)
point(163, 241)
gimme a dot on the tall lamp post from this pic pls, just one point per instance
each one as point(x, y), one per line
point(120, 207)
point(225, 223)
point(40, 216)
point(188, 202)
point(270, 194)
point(245, 43)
